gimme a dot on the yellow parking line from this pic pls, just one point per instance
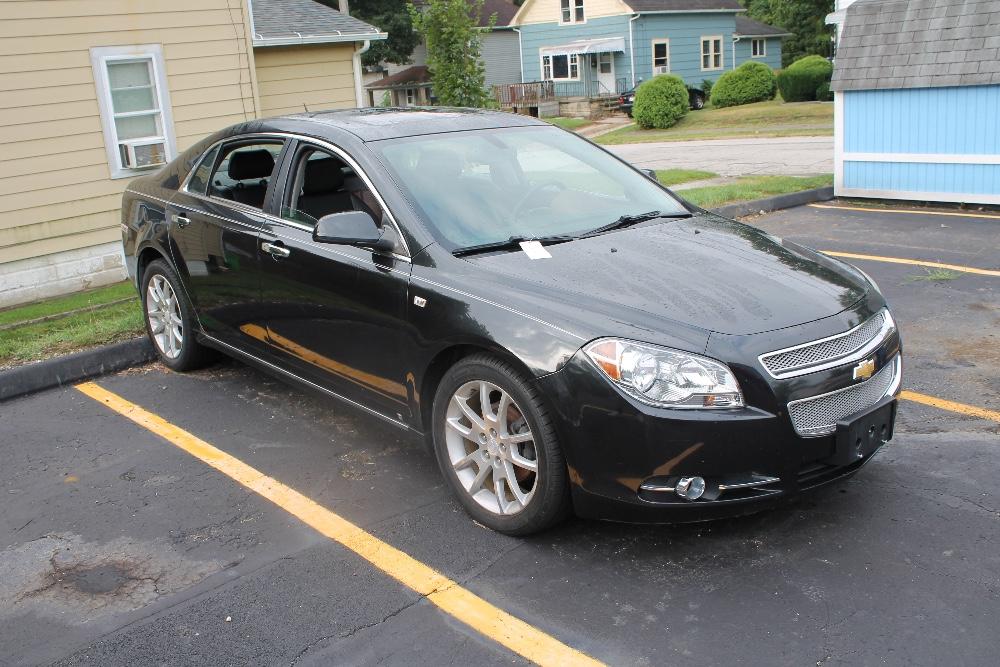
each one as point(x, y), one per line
point(905, 210)
point(914, 262)
point(447, 595)
point(960, 408)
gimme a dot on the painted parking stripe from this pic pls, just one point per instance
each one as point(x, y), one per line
point(952, 406)
point(446, 594)
point(913, 262)
point(949, 214)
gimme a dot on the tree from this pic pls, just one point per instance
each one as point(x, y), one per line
point(450, 29)
point(391, 17)
point(805, 19)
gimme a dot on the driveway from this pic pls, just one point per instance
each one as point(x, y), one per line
point(787, 156)
point(174, 538)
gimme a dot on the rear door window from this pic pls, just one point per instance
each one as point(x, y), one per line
point(244, 172)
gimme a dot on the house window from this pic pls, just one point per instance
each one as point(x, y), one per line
point(661, 56)
point(758, 48)
point(135, 107)
point(571, 11)
point(560, 68)
point(411, 97)
point(711, 52)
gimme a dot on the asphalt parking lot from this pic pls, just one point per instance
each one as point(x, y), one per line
point(119, 547)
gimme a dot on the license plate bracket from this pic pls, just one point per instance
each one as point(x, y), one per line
point(861, 434)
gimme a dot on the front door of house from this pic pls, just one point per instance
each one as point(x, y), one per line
point(606, 73)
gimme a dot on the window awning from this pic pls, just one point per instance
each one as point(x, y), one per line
point(605, 45)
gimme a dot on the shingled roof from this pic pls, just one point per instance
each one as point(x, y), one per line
point(284, 22)
point(918, 44)
point(647, 6)
point(749, 28)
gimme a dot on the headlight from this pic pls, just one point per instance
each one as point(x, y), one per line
point(664, 377)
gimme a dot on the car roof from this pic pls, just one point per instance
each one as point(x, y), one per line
point(376, 123)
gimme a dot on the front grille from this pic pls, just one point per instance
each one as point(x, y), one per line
point(819, 415)
point(808, 357)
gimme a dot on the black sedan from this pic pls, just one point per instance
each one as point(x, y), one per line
point(696, 100)
point(565, 333)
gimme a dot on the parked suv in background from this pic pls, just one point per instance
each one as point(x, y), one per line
point(696, 98)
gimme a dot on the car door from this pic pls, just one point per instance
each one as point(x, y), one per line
point(335, 314)
point(214, 223)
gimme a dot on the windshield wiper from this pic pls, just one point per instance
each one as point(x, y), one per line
point(629, 220)
point(514, 242)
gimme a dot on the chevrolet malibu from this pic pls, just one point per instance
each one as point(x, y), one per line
point(564, 333)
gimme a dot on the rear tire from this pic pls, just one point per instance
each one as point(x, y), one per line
point(697, 101)
point(170, 320)
point(503, 463)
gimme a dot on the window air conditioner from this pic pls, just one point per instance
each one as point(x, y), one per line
point(143, 153)
point(662, 69)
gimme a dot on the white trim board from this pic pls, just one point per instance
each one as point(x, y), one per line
point(916, 195)
point(923, 158)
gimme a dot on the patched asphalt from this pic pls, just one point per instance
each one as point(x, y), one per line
point(118, 548)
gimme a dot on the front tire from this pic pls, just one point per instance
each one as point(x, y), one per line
point(697, 101)
point(170, 319)
point(497, 448)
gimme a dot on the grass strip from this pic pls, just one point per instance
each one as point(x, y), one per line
point(670, 177)
point(749, 188)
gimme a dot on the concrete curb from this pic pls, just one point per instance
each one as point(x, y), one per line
point(777, 203)
point(74, 367)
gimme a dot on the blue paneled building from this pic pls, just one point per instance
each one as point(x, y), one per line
point(603, 47)
point(917, 88)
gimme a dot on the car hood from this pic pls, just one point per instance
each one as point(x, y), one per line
point(706, 272)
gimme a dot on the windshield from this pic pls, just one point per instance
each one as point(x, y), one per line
point(487, 186)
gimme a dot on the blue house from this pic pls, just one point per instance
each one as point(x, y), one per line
point(917, 101)
point(595, 48)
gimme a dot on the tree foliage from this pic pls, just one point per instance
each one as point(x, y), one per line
point(806, 19)
point(389, 16)
point(660, 102)
point(748, 83)
point(454, 42)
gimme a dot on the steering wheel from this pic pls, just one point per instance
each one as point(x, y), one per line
point(520, 207)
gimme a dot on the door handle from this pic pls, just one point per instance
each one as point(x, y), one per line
point(276, 251)
point(181, 221)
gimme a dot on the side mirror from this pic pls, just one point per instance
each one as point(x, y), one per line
point(353, 228)
point(651, 173)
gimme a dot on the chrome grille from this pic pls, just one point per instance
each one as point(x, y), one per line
point(819, 415)
point(805, 358)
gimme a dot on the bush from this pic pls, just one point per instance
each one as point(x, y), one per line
point(823, 93)
point(706, 87)
point(800, 80)
point(660, 102)
point(748, 83)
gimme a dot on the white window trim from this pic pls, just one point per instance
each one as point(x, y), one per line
point(763, 47)
point(701, 53)
point(569, 67)
point(652, 53)
point(99, 58)
point(572, 13)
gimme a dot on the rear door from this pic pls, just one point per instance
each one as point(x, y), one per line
point(335, 314)
point(214, 224)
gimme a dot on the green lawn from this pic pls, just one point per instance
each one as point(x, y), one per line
point(568, 123)
point(102, 316)
point(763, 119)
point(671, 177)
point(749, 188)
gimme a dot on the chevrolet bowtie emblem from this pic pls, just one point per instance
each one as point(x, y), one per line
point(865, 369)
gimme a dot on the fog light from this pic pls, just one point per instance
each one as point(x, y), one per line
point(690, 488)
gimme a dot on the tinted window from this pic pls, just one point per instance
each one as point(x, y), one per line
point(244, 171)
point(199, 179)
point(320, 184)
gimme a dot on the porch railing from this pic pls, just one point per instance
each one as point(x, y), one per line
point(510, 95)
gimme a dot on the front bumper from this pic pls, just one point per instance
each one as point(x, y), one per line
point(625, 457)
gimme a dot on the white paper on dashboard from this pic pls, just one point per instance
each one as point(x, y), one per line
point(535, 250)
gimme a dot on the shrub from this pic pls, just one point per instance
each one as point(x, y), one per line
point(800, 80)
point(660, 102)
point(823, 93)
point(750, 82)
point(706, 87)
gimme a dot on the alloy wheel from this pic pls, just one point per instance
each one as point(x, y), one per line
point(163, 309)
point(491, 447)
